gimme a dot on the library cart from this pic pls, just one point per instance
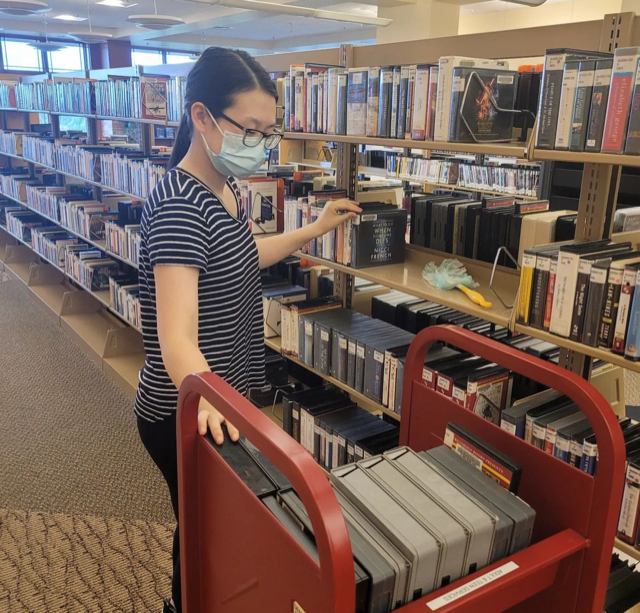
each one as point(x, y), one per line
point(237, 558)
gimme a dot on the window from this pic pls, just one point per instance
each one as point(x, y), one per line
point(178, 58)
point(69, 59)
point(18, 55)
point(144, 57)
point(68, 123)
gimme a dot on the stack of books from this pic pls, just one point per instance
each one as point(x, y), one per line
point(38, 96)
point(590, 101)
point(375, 237)
point(583, 291)
point(449, 101)
point(91, 268)
point(124, 298)
point(131, 173)
point(51, 242)
point(11, 142)
point(74, 96)
point(8, 98)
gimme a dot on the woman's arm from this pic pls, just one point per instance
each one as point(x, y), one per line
point(177, 309)
point(275, 248)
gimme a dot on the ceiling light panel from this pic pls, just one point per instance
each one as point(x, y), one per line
point(70, 18)
point(120, 4)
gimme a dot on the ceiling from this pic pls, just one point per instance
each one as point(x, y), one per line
point(257, 31)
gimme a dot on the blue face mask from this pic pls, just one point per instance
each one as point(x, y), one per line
point(235, 158)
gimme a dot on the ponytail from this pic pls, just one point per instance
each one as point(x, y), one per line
point(215, 79)
point(183, 141)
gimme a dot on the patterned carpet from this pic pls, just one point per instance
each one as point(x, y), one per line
point(85, 519)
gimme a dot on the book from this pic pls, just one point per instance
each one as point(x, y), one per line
point(478, 96)
point(332, 99)
point(632, 341)
point(625, 65)
point(598, 106)
point(567, 103)
point(584, 94)
point(627, 290)
point(632, 145)
point(395, 101)
point(420, 102)
point(386, 95)
point(595, 301)
point(357, 102)
point(432, 100)
point(446, 66)
point(342, 102)
point(410, 100)
point(403, 94)
point(373, 101)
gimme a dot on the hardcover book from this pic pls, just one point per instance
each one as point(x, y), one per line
point(584, 93)
point(598, 106)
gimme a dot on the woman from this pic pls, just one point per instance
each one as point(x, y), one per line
point(200, 293)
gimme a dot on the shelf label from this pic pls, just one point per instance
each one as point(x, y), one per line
point(472, 586)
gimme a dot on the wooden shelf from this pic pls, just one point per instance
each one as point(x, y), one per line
point(515, 150)
point(461, 188)
point(595, 352)
point(312, 164)
point(628, 549)
point(90, 330)
point(20, 270)
point(407, 278)
point(158, 122)
point(52, 294)
point(584, 157)
point(125, 369)
point(367, 403)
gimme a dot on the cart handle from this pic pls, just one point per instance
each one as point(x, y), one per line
point(608, 485)
point(311, 484)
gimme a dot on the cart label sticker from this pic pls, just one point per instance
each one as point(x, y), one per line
point(472, 586)
point(297, 608)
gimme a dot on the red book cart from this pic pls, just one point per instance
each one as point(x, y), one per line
point(237, 558)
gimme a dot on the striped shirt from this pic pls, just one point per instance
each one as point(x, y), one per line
point(185, 224)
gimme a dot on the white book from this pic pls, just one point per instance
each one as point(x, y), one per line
point(325, 102)
point(445, 88)
point(567, 104)
point(420, 103)
point(332, 102)
point(373, 100)
point(395, 100)
point(357, 102)
point(300, 104)
point(308, 97)
point(564, 293)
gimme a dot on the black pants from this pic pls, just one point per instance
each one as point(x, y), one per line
point(159, 438)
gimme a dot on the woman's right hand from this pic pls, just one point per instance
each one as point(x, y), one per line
point(209, 418)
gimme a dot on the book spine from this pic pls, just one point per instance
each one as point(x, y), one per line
point(540, 287)
point(298, 117)
point(589, 458)
point(610, 311)
point(580, 301)
point(420, 104)
point(295, 423)
point(410, 100)
point(564, 293)
point(332, 103)
point(526, 286)
point(431, 103)
point(395, 95)
point(549, 100)
point(617, 118)
point(575, 453)
point(351, 363)
point(561, 450)
point(550, 293)
point(359, 374)
point(313, 124)
point(402, 101)
point(384, 109)
point(567, 104)
point(386, 378)
point(341, 112)
point(538, 436)
point(629, 513)
point(632, 343)
point(373, 101)
point(632, 145)
point(586, 78)
point(357, 103)
point(598, 106)
point(595, 299)
point(624, 306)
point(287, 102)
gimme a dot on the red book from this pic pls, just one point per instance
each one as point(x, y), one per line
point(550, 290)
point(625, 66)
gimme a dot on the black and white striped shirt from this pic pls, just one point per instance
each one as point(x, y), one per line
point(185, 224)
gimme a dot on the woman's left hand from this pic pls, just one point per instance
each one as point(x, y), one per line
point(334, 213)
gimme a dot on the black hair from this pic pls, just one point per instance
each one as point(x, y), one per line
point(217, 76)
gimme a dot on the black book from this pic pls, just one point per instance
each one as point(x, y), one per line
point(595, 301)
point(395, 99)
point(402, 102)
point(598, 106)
point(475, 117)
point(540, 287)
point(378, 236)
point(384, 109)
point(488, 226)
point(472, 228)
point(584, 93)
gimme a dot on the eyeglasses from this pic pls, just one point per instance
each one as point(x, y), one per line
point(252, 138)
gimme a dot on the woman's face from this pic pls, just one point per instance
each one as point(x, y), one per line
point(253, 110)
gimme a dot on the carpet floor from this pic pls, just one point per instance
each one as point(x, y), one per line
point(85, 519)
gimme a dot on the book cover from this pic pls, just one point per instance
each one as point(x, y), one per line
point(357, 102)
point(378, 237)
point(629, 279)
point(420, 103)
point(598, 106)
point(584, 93)
point(567, 103)
point(473, 115)
point(373, 100)
point(625, 65)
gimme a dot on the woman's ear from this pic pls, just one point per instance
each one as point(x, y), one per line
point(200, 118)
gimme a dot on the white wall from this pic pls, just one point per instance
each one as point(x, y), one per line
point(530, 17)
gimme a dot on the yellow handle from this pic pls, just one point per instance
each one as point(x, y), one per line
point(474, 296)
